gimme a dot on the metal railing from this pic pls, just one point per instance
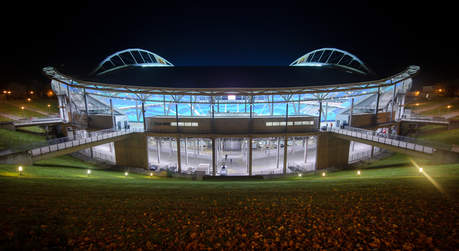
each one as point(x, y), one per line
point(69, 142)
point(96, 155)
point(364, 155)
point(393, 140)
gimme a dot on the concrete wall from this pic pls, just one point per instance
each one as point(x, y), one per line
point(370, 120)
point(332, 152)
point(228, 125)
point(132, 151)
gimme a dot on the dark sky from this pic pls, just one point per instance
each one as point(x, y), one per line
point(387, 36)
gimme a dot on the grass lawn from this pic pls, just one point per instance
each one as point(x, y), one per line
point(388, 208)
point(447, 136)
point(14, 110)
point(4, 119)
point(9, 139)
point(39, 104)
point(32, 129)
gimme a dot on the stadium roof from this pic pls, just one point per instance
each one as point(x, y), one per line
point(229, 76)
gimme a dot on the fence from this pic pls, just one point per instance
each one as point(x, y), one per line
point(69, 142)
point(364, 155)
point(96, 155)
point(394, 140)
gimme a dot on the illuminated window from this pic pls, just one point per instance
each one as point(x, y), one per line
point(269, 123)
point(181, 123)
point(173, 123)
point(187, 123)
point(290, 123)
point(194, 124)
point(275, 123)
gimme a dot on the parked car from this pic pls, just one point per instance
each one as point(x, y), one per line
point(153, 167)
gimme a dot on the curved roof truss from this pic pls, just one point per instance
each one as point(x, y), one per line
point(130, 57)
point(332, 56)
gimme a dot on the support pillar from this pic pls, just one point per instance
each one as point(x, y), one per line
point(111, 113)
point(351, 111)
point(70, 104)
point(250, 156)
point(332, 152)
point(143, 116)
point(158, 149)
point(278, 152)
point(186, 151)
point(393, 103)
point(320, 114)
point(306, 149)
point(86, 106)
point(214, 164)
point(132, 151)
point(285, 155)
point(179, 163)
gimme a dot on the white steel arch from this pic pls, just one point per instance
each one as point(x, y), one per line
point(332, 56)
point(130, 57)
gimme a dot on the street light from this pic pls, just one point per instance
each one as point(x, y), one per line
point(22, 108)
point(49, 108)
point(20, 170)
point(29, 99)
point(89, 172)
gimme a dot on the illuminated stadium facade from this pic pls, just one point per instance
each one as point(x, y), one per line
point(231, 120)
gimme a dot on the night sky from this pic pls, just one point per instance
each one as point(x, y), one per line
point(386, 36)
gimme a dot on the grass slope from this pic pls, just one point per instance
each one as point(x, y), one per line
point(383, 208)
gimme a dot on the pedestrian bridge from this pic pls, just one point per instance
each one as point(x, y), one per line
point(62, 146)
point(395, 143)
point(38, 122)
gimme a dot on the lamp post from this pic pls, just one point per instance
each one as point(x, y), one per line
point(22, 108)
point(20, 170)
point(49, 108)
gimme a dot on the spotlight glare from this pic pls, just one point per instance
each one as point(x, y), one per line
point(299, 175)
point(151, 174)
point(358, 172)
point(20, 168)
point(323, 174)
point(126, 174)
point(89, 171)
point(420, 169)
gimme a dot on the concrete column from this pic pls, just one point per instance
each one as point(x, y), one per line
point(278, 152)
point(186, 151)
point(158, 149)
point(70, 103)
point(372, 151)
point(320, 114)
point(143, 116)
point(111, 113)
point(393, 103)
point(306, 149)
point(377, 102)
point(197, 147)
point(132, 151)
point(214, 164)
point(137, 111)
point(285, 155)
point(351, 111)
point(250, 156)
point(332, 152)
point(86, 106)
point(179, 163)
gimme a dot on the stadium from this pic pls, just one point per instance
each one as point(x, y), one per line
point(220, 120)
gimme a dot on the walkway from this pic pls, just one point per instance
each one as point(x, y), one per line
point(66, 145)
point(395, 143)
point(38, 122)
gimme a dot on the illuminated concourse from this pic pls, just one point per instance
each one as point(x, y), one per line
point(232, 120)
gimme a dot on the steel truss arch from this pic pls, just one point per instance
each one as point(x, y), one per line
point(130, 57)
point(332, 56)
